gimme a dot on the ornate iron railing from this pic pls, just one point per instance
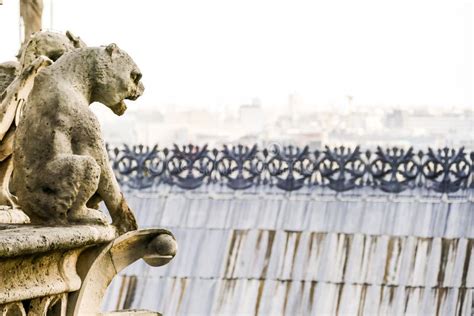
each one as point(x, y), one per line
point(290, 168)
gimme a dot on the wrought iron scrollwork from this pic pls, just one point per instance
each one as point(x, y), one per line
point(138, 166)
point(342, 168)
point(394, 170)
point(447, 170)
point(189, 167)
point(240, 166)
point(290, 168)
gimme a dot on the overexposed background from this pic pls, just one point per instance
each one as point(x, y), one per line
point(216, 53)
point(368, 72)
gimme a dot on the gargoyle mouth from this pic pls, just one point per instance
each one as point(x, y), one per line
point(135, 94)
point(119, 108)
point(133, 97)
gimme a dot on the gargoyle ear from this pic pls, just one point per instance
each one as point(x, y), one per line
point(111, 49)
point(76, 40)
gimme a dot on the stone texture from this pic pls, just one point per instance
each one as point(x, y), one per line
point(39, 275)
point(51, 267)
point(97, 267)
point(8, 72)
point(20, 240)
point(16, 82)
point(11, 103)
point(12, 309)
point(49, 305)
point(60, 160)
point(61, 270)
point(63, 165)
point(12, 216)
point(50, 44)
point(41, 261)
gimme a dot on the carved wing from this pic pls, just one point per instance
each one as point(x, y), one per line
point(16, 95)
point(11, 102)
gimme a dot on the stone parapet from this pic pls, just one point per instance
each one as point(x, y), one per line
point(65, 270)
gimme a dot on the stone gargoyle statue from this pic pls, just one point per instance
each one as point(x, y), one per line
point(16, 82)
point(60, 164)
point(61, 168)
point(54, 166)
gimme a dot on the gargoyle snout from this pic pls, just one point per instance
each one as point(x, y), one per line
point(138, 92)
point(140, 89)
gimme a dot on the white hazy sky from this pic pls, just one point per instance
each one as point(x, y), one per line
point(217, 53)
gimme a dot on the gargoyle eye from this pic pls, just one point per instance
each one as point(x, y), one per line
point(136, 76)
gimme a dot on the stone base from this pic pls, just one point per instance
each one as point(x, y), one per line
point(65, 270)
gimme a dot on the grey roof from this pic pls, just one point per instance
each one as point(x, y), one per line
point(277, 253)
point(381, 214)
point(322, 257)
point(198, 296)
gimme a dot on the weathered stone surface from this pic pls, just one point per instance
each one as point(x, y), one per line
point(17, 93)
point(12, 309)
point(39, 275)
point(60, 160)
point(8, 72)
point(12, 216)
point(16, 82)
point(67, 269)
point(20, 240)
point(161, 250)
point(50, 44)
point(11, 102)
point(54, 305)
point(61, 175)
point(97, 267)
point(41, 261)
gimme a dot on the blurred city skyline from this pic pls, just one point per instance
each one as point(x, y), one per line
point(219, 55)
point(420, 127)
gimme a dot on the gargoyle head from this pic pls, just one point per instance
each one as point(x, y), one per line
point(119, 78)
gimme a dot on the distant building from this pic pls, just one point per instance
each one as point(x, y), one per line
point(252, 117)
point(252, 123)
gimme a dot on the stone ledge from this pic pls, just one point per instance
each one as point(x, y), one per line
point(68, 268)
point(19, 240)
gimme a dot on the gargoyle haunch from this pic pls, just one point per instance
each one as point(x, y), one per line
point(60, 164)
